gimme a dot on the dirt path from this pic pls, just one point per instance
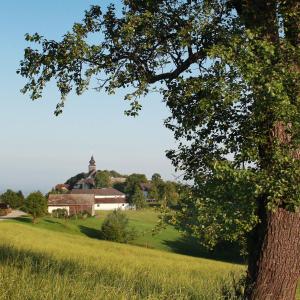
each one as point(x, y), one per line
point(13, 214)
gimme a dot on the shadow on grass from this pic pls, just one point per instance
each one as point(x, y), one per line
point(36, 262)
point(23, 219)
point(223, 252)
point(90, 232)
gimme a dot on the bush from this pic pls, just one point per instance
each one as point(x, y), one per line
point(60, 213)
point(36, 205)
point(115, 228)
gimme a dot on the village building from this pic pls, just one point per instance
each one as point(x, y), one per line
point(106, 198)
point(73, 203)
point(84, 197)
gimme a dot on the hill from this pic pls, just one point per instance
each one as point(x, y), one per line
point(36, 263)
point(143, 221)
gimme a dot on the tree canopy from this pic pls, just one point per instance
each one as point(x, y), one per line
point(36, 205)
point(13, 199)
point(102, 179)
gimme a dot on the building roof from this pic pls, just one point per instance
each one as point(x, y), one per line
point(70, 199)
point(110, 200)
point(98, 192)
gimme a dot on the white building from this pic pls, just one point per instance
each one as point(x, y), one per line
point(106, 198)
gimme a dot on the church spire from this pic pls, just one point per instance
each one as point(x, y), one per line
point(92, 164)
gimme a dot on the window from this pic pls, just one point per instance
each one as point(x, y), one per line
point(98, 205)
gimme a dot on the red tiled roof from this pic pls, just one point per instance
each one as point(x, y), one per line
point(98, 192)
point(69, 199)
point(110, 200)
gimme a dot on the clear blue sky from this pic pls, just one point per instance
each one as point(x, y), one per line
point(38, 150)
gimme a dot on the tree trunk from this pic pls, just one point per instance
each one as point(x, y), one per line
point(274, 264)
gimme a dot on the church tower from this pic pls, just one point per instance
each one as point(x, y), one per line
point(92, 164)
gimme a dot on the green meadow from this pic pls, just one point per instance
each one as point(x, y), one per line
point(144, 221)
point(57, 259)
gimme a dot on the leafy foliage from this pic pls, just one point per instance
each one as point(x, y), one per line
point(115, 228)
point(102, 179)
point(137, 198)
point(36, 205)
point(60, 213)
point(13, 199)
point(133, 182)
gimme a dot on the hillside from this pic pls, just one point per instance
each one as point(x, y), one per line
point(36, 263)
point(143, 221)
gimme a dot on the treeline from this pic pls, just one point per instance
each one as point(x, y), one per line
point(139, 190)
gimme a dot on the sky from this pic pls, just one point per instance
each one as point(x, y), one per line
point(39, 150)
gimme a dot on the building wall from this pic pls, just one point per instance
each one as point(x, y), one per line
point(110, 196)
point(74, 209)
point(112, 206)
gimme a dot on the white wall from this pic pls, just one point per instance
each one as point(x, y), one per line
point(109, 196)
point(51, 208)
point(111, 206)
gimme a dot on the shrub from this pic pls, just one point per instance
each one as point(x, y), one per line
point(115, 228)
point(60, 213)
point(36, 205)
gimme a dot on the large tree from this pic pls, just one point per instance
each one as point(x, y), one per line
point(229, 72)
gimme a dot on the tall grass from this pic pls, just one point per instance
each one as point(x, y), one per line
point(40, 264)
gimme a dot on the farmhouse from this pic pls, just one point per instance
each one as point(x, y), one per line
point(105, 198)
point(84, 197)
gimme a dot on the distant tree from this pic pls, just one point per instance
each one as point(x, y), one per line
point(132, 182)
point(156, 177)
point(115, 174)
point(13, 199)
point(102, 179)
point(36, 205)
point(170, 194)
point(153, 192)
point(120, 186)
point(115, 228)
point(157, 187)
point(137, 198)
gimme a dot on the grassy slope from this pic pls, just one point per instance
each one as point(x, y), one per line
point(144, 221)
point(69, 239)
point(45, 264)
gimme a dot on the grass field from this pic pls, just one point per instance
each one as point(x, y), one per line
point(44, 264)
point(143, 221)
point(62, 260)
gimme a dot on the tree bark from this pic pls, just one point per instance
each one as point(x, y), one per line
point(274, 269)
